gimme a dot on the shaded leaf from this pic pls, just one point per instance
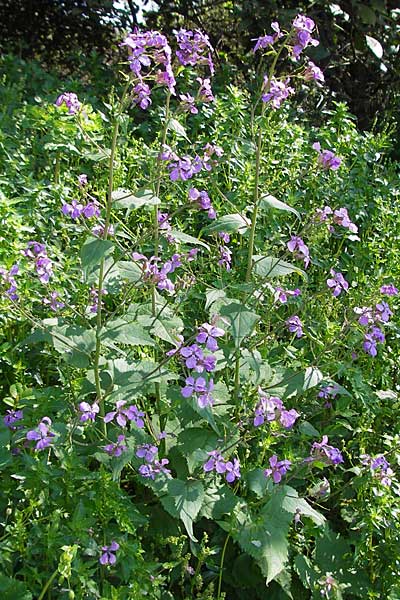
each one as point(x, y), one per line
point(273, 202)
point(183, 501)
point(270, 266)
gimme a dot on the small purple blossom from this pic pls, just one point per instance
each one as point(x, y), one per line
point(313, 73)
point(281, 295)
point(207, 335)
point(71, 102)
point(98, 230)
point(278, 468)
point(42, 434)
point(326, 158)
point(201, 389)
point(194, 48)
point(108, 557)
point(295, 325)
point(268, 40)
point(151, 470)
point(116, 448)
point(271, 408)
point(389, 290)
point(337, 283)
point(43, 265)
point(225, 259)
point(276, 91)
point(82, 180)
point(94, 298)
point(7, 277)
point(205, 93)
point(12, 416)
point(297, 246)
point(188, 104)
point(122, 415)
point(325, 453)
point(54, 302)
point(217, 463)
point(303, 27)
point(147, 452)
point(341, 217)
point(88, 411)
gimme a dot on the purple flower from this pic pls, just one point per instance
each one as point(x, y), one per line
point(43, 265)
point(232, 470)
point(205, 93)
point(277, 468)
point(88, 411)
point(296, 244)
point(268, 40)
point(341, 217)
point(322, 451)
point(272, 409)
point(276, 91)
point(380, 468)
point(74, 210)
point(389, 290)
point(216, 462)
point(42, 434)
point(327, 159)
point(225, 257)
point(288, 418)
point(303, 27)
point(7, 277)
point(141, 95)
point(13, 416)
point(202, 200)
point(295, 325)
point(201, 389)
point(322, 214)
point(108, 557)
point(150, 470)
point(383, 312)
point(147, 452)
point(94, 295)
point(313, 73)
point(54, 303)
point(369, 345)
point(194, 48)
point(337, 283)
point(328, 391)
point(71, 102)
point(207, 335)
point(116, 448)
point(123, 415)
point(366, 313)
point(281, 295)
point(98, 230)
point(82, 180)
point(188, 104)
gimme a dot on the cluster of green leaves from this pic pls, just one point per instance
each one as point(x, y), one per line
point(192, 535)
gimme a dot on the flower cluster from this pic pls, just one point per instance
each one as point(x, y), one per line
point(158, 274)
point(201, 388)
point(297, 246)
point(337, 283)
point(71, 102)
point(195, 358)
point(295, 325)
point(12, 416)
point(116, 448)
point(313, 73)
point(380, 468)
point(371, 317)
point(281, 295)
point(108, 557)
point(276, 91)
point(268, 40)
point(271, 408)
point(54, 302)
point(165, 227)
point(94, 298)
point(303, 27)
point(88, 412)
point(389, 290)
point(339, 217)
point(326, 158)
point(328, 393)
point(143, 50)
point(194, 48)
point(42, 434)
point(185, 168)
point(216, 462)
point(76, 209)
point(277, 468)
point(8, 279)
point(323, 452)
point(43, 265)
point(202, 200)
point(152, 465)
point(122, 415)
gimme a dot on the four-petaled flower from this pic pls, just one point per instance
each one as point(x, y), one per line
point(108, 557)
point(278, 468)
point(88, 411)
point(122, 415)
point(42, 434)
point(117, 448)
point(337, 283)
point(207, 335)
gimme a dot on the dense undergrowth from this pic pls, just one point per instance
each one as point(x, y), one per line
point(168, 440)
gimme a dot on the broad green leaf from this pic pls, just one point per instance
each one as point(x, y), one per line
point(374, 46)
point(242, 320)
point(131, 200)
point(177, 128)
point(257, 482)
point(166, 329)
point(229, 223)
point(12, 589)
point(292, 503)
point(93, 251)
point(183, 501)
point(254, 368)
point(195, 443)
point(213, 295)
point(289, 383)
point(188, 239)
point(124, 270)
point(273, 202)
point(270, 266)
point(119, 330)
point(218, 500)
point(136, 377)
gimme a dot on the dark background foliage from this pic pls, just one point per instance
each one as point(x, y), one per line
point(62, 33)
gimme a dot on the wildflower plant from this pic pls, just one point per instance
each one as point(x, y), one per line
point(189, 371)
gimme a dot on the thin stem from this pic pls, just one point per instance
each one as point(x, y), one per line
point(221, 567)
point(48, 584)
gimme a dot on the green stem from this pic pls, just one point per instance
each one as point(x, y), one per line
point(102, 262)
point(256, 193)
point(221, 567)
point(237, 378)
point(48, 584)
point(57, 168)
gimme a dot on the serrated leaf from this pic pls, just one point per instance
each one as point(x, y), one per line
point(166, 329)
point(218, 500)
point(229, 223)
point(93, 251)
point(176, 127)
point(131, 200)
point(374, 46)
point(269, 200)
point(188, 239)
point(257, 482)
point(270, 266)
point(242, 320)
point(183, 501)
point(125, 332)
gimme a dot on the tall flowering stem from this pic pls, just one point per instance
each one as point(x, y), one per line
point(256, 193)
point(114, 139)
